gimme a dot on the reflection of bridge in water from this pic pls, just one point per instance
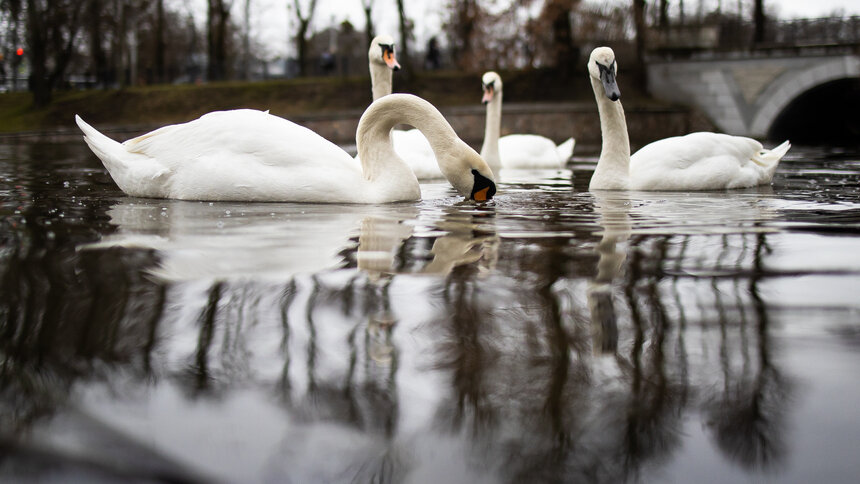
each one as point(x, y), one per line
point(805, 71)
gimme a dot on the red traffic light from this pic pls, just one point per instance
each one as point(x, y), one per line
point(19, 52)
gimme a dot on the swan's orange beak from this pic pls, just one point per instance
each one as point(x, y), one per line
point(390, 60)
point(481, 195)
point(488, 95)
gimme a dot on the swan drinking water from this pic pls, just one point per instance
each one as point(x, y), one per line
point(516, 150)
point(697, 161)
point(249, 155)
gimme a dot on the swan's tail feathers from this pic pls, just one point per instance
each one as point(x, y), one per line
point(769, 159)
point(105, 148)
point(780, 151)
point(565, 149)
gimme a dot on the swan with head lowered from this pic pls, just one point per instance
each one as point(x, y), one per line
point(250, 155)
point(697, 161)
point(516, 150)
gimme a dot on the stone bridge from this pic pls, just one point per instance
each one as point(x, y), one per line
point(745, 95)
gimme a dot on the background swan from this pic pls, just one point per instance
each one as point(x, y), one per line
point(697, 161)
point(249, 155)
point(516, 150)
point(410, 144)
point(381, 61)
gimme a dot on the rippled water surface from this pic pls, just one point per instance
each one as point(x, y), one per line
point(553, 335)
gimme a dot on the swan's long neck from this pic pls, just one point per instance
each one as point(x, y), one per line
point(380, 163)
point(380, 80)
point(490, 149)
point(613, 166)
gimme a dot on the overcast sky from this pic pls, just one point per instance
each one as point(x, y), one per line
point(270, 18)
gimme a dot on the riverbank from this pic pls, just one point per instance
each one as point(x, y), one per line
point(536, 101)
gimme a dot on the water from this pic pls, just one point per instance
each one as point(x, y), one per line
point(551, 336)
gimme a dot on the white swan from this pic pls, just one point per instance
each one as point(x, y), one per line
point(249, 155)
point(411, 145)
point(697, 161)
point(381, 61)
point(516, 150)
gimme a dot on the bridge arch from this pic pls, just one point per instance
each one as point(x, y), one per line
point(777, 97)
point(827, 114)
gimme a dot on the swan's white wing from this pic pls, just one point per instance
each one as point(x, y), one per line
point(415, 150)
point(697, 161)
point(225, 135)
point(528, 151)
point(250, 155)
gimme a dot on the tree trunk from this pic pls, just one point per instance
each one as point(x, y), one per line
point(217, 20)
point(302, 47)
point(562, 35)
point(160, 44)
point(51, 31)
point(246, 42)
point(99, 57)
point(405, 32)
point(301, 36)
point(663, 22)
point(639, 23)
point(368, 22)
point(758, 21)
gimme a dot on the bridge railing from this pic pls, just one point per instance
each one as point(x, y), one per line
point(727, 34)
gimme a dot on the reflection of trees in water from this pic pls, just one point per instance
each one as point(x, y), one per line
point(748, 419)
point(574, 420)
point(65, 315)
point(560, 364)
point(746, 413)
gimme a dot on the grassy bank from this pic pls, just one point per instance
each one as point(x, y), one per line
point(157, 105)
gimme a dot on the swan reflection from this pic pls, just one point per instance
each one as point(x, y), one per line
point(399, 339)
point(198, 240)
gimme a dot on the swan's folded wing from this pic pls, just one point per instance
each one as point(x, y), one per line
point(684, 152)
point(231, 136)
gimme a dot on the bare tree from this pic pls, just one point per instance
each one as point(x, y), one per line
point(367, 5)
point(663, 22)
point(405, 33)
point(217, 23)
point(462, 25)
point(304, 20)
point(96, 38)
point(246, 42)
point(639, 23)
point(758, 21)
point(160, 43)
point(52, 27)
point(557, 14)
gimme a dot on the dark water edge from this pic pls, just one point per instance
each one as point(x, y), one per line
point(551, 336)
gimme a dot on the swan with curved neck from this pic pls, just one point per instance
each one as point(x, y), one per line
point(249, 155)
point(697, 161)
point(516, 150)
